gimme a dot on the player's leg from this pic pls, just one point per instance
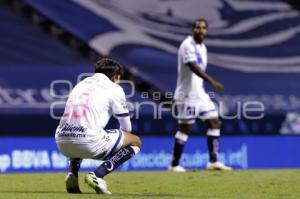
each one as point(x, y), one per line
point(71, 179)
point(74, 165)
point(213, 135)
point(131, 146)
point(126, 149)
point(180, 139)
point(213, 140)
point(207, 112)
point(185, 114)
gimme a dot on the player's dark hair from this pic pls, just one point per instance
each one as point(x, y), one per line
point(198, 20)
point(108, 67)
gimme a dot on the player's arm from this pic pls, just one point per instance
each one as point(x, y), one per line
point(125, 123)
point(217, 86)
point(191, 60)
point(121, 112)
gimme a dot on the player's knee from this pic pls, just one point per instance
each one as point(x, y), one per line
point(137, 142)
point(185, 128)
point(131, 140)
point(213, 123)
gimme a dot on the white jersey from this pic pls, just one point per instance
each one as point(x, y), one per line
point(189, 85)
point(89, 107)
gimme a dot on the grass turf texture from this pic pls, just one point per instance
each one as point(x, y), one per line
point(248, 184)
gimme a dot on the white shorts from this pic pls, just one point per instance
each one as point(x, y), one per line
point(188, 111)
point(109, 142)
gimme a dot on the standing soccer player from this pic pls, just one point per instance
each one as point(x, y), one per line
point(192, 101)
point(81, 133)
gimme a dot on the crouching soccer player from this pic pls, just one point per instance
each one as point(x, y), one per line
point(81, 133)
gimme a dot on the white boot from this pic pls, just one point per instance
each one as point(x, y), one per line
point(98, 184)
point(218, 166)
point(177, 169)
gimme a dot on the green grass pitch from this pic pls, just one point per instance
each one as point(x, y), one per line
point(246, 184)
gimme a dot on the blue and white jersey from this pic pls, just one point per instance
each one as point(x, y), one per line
point(89, 107)
point(189, 85)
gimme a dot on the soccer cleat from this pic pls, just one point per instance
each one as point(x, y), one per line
point(72, 185)
point(98, 184)
point(177, 169)
point(218, 166)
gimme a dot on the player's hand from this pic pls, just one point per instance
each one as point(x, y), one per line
point(217, 86)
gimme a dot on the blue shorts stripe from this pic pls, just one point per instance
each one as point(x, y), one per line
point(122, 115)
point(205, 112)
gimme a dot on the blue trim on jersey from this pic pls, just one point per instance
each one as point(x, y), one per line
point(204, 112)
point(198, 55)
point(115, 145)
point(122, 115)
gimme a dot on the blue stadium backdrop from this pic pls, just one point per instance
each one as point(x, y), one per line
point(41, 154)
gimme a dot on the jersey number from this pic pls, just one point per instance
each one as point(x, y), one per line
point(77, 110)
point(190, 110)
